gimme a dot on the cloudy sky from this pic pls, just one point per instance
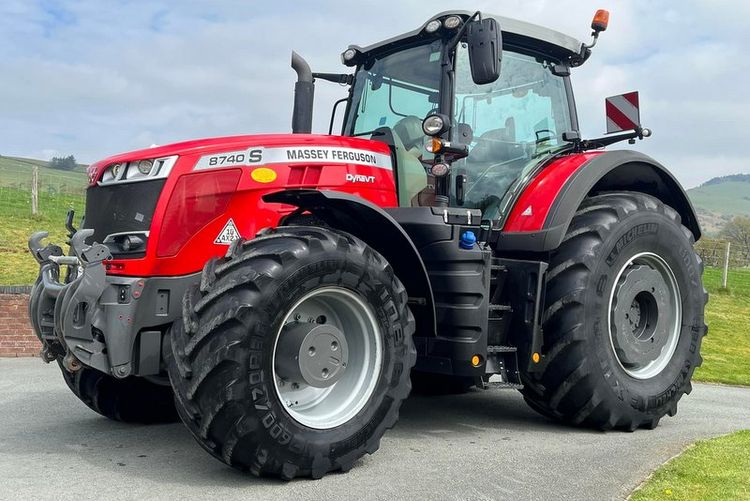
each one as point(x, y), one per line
point(97, 77)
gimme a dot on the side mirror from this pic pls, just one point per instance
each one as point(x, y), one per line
point(485, 50)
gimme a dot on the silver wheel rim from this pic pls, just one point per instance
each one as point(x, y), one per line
point(645, 315)
point(358, 335)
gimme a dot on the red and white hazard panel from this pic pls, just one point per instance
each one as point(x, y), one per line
point(623, 112)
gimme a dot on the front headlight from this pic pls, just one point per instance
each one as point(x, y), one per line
point(111, 173)
point(145, 166)
point(138, 170)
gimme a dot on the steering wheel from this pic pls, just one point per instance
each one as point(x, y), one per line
point(523, 154)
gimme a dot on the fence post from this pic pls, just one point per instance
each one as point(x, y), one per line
point(726, 267)
point(34, 190)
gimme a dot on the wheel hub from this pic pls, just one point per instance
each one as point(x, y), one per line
point(644, 315)
point(640, 329)
point(327, 357)
point(312, 353)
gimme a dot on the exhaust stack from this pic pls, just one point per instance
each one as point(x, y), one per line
point(304, 90)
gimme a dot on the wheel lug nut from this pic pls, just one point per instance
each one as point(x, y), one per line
point(324, 373)
point(334, 346)
point(311, 351)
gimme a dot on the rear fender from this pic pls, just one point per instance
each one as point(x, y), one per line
point(588, 174)
point(380, 231)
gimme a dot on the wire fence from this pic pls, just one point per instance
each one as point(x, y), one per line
point(29, 190)
point(725, 256)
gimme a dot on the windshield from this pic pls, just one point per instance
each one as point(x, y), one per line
point(392, 96)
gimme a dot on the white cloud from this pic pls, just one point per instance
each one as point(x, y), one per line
point(84, 79)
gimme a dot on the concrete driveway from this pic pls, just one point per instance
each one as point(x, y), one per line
point(482, 445)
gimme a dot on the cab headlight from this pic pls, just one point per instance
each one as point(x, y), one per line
point(452, 22)
point(432, 26)
point(434, 125)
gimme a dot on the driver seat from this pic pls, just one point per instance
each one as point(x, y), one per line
point(411, 175)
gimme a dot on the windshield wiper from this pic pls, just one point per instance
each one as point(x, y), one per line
point(370, 132)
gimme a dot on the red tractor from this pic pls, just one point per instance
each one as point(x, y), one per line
point(280, 293)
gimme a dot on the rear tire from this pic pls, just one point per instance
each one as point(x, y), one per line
point(227, 377)
point(620, 246)
point(130, 400)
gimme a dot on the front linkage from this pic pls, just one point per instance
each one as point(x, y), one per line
point(88, 318)
point(65, 313)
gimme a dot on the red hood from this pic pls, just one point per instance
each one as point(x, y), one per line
point(228, 143)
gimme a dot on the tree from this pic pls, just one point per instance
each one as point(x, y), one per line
point(737, 231)
point(63, 163)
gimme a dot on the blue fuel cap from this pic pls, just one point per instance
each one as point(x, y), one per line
point(468, 239)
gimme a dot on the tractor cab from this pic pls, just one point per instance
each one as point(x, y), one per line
point(479, 138)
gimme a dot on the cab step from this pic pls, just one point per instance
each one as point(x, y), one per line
point(502, 349)
point(503, 385)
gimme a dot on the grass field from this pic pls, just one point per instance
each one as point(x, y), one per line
point(715, 469)
point(726, 349)
point(17, 224)
point(58, 191)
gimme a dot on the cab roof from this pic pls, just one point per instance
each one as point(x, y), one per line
point(515, 32)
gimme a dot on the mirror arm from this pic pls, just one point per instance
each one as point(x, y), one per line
point(579, 145)
point(446, 62)
point(340, 78)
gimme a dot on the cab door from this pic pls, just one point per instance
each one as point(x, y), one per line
point(510, 125)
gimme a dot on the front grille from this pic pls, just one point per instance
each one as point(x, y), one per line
point(121, 207)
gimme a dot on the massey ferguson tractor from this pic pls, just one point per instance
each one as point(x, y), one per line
point(280, 293)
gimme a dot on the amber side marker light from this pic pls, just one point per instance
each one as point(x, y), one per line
point(434, 145)
point(535, 358)
point(600, 21)
point(476, 360)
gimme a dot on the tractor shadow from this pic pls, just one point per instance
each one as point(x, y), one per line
point(158, 452)
point(474, 412)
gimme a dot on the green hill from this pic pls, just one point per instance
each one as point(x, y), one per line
point(720, 199)
point(14, 170)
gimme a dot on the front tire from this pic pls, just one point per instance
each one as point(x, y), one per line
point(624, 316)
point(246, 364)
point(130, 400)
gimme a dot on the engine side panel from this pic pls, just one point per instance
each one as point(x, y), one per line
point(269, 163)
